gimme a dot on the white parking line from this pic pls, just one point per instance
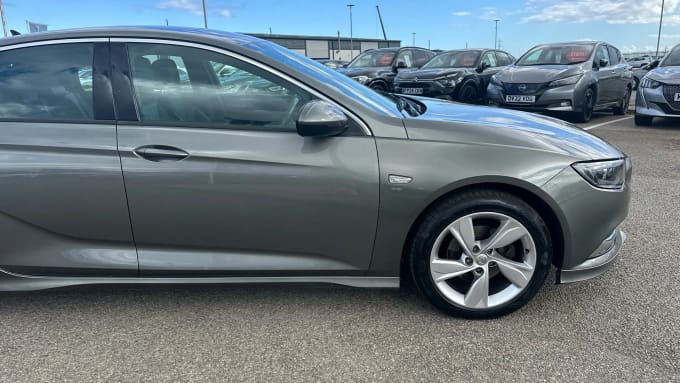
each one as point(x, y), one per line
point(607, 123)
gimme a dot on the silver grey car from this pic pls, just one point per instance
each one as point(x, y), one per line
point(576, 79)
point(659, 91)
point(165, 167)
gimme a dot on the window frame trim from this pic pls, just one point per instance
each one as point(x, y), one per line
point(125, 40)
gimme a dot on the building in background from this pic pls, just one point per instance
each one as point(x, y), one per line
point(323, 47)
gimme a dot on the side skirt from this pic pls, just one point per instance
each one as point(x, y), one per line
point(15, 282)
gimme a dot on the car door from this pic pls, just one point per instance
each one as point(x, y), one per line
point(220, 183)
point(606, 76)
point(622, 74)
point(488, 58)
point(62, 198)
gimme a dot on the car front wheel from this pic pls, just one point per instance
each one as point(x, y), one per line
point(622, 108)
point(586, 112)
point(480, 254)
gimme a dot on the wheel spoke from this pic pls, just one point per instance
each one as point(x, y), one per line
point(509, 232)
point(478, 295)
point(464, 233)
point(518, 273)
point(447, 269)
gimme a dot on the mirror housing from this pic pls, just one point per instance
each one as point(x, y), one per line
point(400, 65)
point(320, 118)
point(602, 63)
point(652, 65)
point(482, 67)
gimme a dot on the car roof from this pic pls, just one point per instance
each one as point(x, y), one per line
point(162, 32)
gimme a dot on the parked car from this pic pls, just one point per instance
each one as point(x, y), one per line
point(659, 91)
point(333, 64)
point(576, 78)
point(376, 68)
point(155, 181)
point(460, 75)
point(639, 73)
point(639, 62)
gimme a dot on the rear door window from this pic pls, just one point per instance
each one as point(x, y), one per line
point(47, 82)
point(490, 59)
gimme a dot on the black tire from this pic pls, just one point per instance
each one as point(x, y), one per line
point(586, 113)
point(623, 108)
point(468, 94)
point(642, 120)
point(636, 83)
point(448, 211)
point(378, 86)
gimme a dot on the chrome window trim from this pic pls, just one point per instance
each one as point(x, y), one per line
point(55, 42)
point(250, 61)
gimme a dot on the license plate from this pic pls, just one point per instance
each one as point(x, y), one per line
point(676, 97)
point(412, 90)
point(522, 99)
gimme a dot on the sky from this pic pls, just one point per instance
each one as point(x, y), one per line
point(630, 25)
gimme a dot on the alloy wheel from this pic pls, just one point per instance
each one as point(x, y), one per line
point(482, 260)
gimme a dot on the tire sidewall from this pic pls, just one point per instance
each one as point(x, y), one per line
point(439, 218)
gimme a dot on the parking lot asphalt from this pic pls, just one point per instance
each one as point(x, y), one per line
point(621, 326)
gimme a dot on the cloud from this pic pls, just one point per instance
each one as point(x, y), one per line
point(491, 13)
point(190, 6)
point(461, 13)
point(606, 11)
point(194, 7)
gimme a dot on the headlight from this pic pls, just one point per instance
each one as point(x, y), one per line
point(449, 81)
point(571, 80)
point(496, 81)
point(361, 79)
point(610, 174)
point(649, 83)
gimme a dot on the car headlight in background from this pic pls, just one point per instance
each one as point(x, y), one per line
point(496, 81)
point(449, 81)
point(571, 80)
point(361, 79)
point(610, 174)
point(649, 83)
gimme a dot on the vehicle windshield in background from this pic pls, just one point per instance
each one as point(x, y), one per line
point(460, 59)
point(557, 55)
point(672, 59)
point(373, 59)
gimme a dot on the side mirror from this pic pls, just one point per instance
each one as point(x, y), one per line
point(482, 67)
point(320, 118)
point(400, 65)
point(653, 65)
point(603, 63)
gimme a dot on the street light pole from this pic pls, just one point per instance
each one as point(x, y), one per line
point(414, 39)
point(2, 16)
point(495, 38)
point(351, 33)
point(205, 17)
point(658, 39)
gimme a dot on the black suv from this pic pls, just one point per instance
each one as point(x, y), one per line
point(459, 75)
point(377, 68)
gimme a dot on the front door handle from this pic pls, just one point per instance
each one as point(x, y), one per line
point(160, 153)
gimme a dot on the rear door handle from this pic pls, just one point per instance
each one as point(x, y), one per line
point(160, 153)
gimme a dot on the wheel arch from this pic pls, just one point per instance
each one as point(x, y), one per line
point(529, 193)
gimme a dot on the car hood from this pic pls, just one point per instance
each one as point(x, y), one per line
point(453, 122)
point(666, 74)
point(430, 73)
point(365, 71)
point(537, 74)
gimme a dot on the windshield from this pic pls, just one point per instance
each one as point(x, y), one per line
point(557, 55)
point(457, 59)
point(672, 58)
point(373, 59)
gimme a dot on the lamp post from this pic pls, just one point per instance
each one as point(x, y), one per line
point(658, 39)
point(414, 39)
point(495, 38)
point(351, 33)
point(2, 16)
point(205, 17)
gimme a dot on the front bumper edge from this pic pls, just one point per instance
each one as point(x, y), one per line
point(593, 267)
